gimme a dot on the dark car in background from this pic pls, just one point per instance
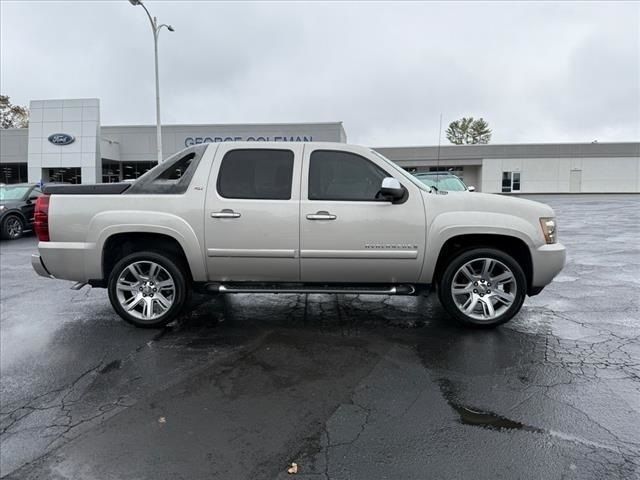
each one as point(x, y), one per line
point(17, 204)
point(443, 181)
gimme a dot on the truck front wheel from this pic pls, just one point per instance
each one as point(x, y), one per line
point(148, 289)
point(483, 287)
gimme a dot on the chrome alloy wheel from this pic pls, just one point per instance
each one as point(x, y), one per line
point(14, 227)
point(483, 288)
point(145, 290)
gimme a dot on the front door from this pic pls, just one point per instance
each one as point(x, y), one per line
point(575, 181)
point(29, 207)
point(252, 214)
point(347, 234)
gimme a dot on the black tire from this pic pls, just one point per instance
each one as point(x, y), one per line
point(449, 303)
point(12, 227)
point(178, 274)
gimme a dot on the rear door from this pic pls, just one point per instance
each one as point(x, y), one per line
point(252, 213)
point(347, 234)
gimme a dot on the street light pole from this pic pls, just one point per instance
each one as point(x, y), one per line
point(156, 32)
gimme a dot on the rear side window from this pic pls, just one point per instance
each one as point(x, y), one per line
point(177, 170)
point(256, 174)
point(335, 175)
point(171, 176)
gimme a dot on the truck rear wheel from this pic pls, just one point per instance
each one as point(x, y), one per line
point(483, 287)
point(148, 289)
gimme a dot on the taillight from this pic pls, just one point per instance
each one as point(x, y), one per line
point(41, 218)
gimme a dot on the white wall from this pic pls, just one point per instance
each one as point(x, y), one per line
point(552, 175)
point(77, 117)
point(472, 176)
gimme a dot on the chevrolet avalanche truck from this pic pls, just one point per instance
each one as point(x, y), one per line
point(293, 218)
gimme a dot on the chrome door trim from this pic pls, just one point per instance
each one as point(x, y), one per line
point(368, 253)
point(251, 252)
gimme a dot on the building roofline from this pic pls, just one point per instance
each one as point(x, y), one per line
point(489, 145)
point(62, 99)
point(265, 124)
point(515, 150)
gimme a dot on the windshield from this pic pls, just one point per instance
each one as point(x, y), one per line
point(403, 172)
point(13, 193)
point(450, 183)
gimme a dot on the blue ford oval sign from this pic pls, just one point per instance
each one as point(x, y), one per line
point(61, 139)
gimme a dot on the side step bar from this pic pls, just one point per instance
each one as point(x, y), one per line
point(379, 290)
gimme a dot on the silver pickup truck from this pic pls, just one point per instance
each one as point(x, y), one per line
point(294, 218)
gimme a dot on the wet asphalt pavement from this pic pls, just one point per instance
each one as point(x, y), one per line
point(348, 387)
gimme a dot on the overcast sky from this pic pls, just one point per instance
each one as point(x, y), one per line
point(537, 72)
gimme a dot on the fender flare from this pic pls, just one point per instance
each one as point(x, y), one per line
point(106, 224)
point(454, 224)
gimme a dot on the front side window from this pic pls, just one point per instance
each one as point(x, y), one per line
point(335, 175)
point(256, 174)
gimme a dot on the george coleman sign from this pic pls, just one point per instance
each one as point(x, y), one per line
point(189, 141)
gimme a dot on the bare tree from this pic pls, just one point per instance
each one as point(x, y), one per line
point(12, 116)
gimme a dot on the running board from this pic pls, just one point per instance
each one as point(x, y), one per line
point(377, 290)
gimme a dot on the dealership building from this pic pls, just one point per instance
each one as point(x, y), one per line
point(65, 142)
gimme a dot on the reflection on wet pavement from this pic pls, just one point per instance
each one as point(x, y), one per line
point(470, 416)
point(346, 386)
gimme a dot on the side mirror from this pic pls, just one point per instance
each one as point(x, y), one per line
point(391, 189)
point(471, 188)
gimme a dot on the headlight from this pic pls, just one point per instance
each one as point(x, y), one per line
point(1, 208)
point(548, 225)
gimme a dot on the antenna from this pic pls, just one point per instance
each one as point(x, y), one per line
point(438, 155)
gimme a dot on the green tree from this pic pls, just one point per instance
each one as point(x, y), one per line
point(469, 131)
point(12, 116)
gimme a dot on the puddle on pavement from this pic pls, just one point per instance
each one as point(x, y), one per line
point(478, 418)
point(493, 421)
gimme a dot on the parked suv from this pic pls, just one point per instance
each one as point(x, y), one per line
point(297, 218)
point(17, 204)
point(443, 181)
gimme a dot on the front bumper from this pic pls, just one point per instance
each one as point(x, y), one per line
point(38, 266)
point(548, 261)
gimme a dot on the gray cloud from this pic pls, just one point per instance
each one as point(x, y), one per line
point(538, 72)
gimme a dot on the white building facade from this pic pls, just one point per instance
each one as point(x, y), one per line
point(531, 168)
point(65, 142)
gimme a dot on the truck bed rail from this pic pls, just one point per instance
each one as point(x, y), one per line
point(87, 189)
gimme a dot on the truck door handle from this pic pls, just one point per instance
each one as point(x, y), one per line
point(321, 215)
point(226, 213)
